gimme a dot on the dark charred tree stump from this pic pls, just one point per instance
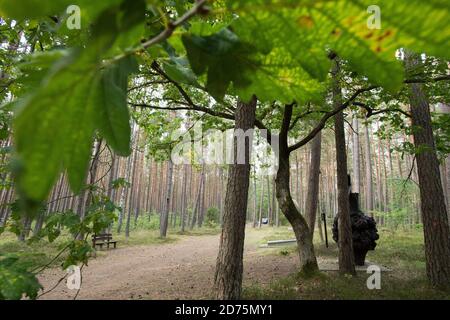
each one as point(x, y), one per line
point(364, 230)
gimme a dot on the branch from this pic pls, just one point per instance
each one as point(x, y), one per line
point(171, 26)
point(145, 84)
point(351, 126)
point(370, 111)
point(199, 7)
point(157, 68)
point(187, 107)
point(406, 114)
point(436, 79)
point(327, 116)
point(287, 116)
point(300, 116)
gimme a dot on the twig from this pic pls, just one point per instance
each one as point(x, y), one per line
point(54, 287)
point(170, 28)
point(327, 116)
point(408, 178)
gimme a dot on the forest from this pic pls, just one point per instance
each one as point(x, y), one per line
point(224, 149)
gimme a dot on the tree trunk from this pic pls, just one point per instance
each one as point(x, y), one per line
point(39, 223)
point(308, 261)
point(125, 190)
point(261, 204)
point(164, 222)
point(269, 205)
point(369, 181)
point(434, 213)
point(447, 172)
point(255, 198)
point(445, 108)
point(86, 197)
point(133, 181)
point(201, 208)
point(274, 205)
point(356, 162)
point(196, 210)
point(346, 257)
point(184, 198)
point(312, 196)
point(229, 266)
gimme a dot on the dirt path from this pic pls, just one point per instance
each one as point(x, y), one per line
point(180, 270)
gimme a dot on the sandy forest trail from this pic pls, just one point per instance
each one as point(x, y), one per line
point(180, 270)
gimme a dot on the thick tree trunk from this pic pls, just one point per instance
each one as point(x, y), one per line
point(229, 266)
point(312, 196)
point(308, 261)
point(434, 213)
point(346, 257)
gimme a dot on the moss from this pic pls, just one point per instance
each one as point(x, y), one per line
point(308, 271)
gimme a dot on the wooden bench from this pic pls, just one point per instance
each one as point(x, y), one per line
point(102, 239)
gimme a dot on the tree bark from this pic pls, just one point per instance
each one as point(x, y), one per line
point(312, 196)
point(369, 180)
point(131, 192)
point(434, 213)
point(164, 222)
point(201, 211)
point(184, 198)
point(346, 257)
point(308, 261)
point(445, 108)
point(255, 198)
point(356, 162)
point(261, 204)
point(196, 210)
point(229, 266)
point(269, 205)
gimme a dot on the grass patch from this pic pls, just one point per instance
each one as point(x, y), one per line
point(281, 233)
point(205, 231)
point(401, 251)
point(35, 254)
point(142, 238)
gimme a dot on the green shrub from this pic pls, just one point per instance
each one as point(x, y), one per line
point(212, 215)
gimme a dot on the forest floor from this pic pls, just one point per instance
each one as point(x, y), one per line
point(181, 269)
